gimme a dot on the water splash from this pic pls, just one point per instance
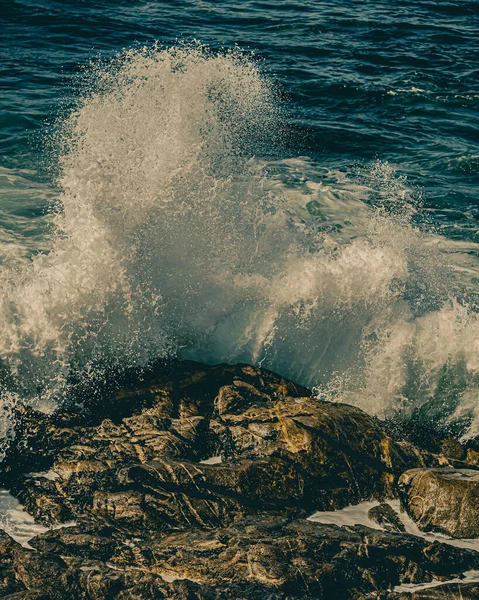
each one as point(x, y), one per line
point(172, 238)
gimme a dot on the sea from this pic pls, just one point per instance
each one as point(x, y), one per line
point(292, 185)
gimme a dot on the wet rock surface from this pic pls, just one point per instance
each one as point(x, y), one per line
point(274, 557)
point(385, 516)
point(443, 500)
point(153, 520)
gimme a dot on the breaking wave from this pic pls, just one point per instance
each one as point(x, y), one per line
point(173, 237)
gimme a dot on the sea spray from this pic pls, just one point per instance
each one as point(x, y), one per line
point(175, 237)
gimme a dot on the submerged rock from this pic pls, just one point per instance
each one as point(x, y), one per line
point(443, 500)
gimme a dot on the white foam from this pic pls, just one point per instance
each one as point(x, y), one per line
point(170, 237)
point(358, 515)
point(351, 515)
point(213, 460)
point(50, 474)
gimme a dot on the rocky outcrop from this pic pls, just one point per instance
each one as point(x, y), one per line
point(443, 500)
point(281, 450)
point(156, 519)
point(271, 557)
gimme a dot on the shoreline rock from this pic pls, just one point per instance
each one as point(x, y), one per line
point(442, 500)
point(154, 520)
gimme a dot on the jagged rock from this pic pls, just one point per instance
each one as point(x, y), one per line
point(444, 500)
point(452, 448)
point(265, 557)
point(86, 540)
point(38, 571)
point(37, 439)
point(27, 595)
point(8, 582)
point(281, 448)
point(385, 516)
point(41, 499)
point(472, 457)
point(44, 575)
point(154, 521)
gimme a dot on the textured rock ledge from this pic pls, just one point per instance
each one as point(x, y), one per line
point(155, 521)
point(443, 500)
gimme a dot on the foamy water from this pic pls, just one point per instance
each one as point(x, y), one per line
point(169, 237)
point(18, 523)
point(358, 515)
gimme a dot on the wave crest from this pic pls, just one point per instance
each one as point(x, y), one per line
point(173, 239)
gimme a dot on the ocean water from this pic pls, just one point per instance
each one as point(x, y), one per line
point(290, 184)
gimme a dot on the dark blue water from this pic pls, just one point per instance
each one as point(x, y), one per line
point(378, 102)
point(397, 80)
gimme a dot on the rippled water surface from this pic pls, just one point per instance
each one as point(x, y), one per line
point(299, 192)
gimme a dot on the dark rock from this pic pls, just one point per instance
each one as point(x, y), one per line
point(38, 571)
point(36, 440)
point(453, 448)
point(264, 557)
point(281, 449)
point(8, 582)
point(385, 516)
point(472, 457)
point(154, 521)
point(448, 591)
point(86, 541)
point(444, 500)
point(27, 595)
point(40, 498)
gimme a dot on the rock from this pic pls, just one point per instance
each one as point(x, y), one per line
point(452, 448)
point(257, 558)
point(153, 520)
point(37, 439)
point(472, 457)
point(443, 500)
point(86, 541)
point(28, 595)
point(43, 501)
point(8, 582)
point(385, 516)
point(38, 571)
point(81, 575)
point(448, 591)
point(282, 450)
